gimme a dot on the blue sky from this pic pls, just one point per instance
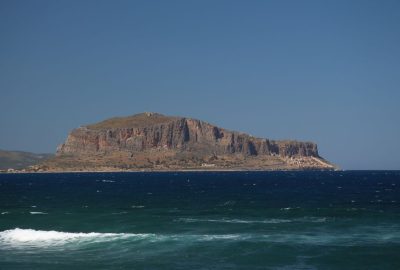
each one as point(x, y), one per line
point(322, 71)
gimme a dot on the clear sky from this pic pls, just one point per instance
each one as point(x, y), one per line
point(322, 71)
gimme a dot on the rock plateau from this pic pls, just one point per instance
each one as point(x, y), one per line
point(152, 141)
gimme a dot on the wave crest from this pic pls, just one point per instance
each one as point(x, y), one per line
point(19, 236)
point(29, 238)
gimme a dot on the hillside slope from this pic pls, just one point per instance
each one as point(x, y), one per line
point(20, 160)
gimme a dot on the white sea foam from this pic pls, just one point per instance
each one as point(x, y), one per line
point(29, 237)
point(211, 237)
point(107, 181)
point(289, 208)
point(192, 238)
point(38, 213)
point(21, 238)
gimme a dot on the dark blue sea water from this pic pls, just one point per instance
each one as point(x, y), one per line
point(201, 220)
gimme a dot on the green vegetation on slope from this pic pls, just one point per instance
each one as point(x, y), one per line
point(20, 160)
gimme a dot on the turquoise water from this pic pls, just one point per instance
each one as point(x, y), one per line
point(202, 220)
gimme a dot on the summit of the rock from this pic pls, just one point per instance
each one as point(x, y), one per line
point(133, 121)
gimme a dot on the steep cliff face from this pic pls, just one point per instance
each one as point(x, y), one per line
point(157, 142)
point(174, 133)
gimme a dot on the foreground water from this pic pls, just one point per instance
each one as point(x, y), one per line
point(235, 220)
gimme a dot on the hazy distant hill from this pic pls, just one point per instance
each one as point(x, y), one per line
point(151, 141)
point(20, 160)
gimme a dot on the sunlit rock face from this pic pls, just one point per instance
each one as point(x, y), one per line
point(152, 141)
point(155, 131)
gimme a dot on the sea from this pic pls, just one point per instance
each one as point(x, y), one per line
point(201, 220)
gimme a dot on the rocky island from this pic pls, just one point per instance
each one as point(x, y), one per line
point(155, 142)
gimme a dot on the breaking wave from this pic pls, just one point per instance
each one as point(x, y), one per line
point(29, 237)
point(38, 213)
point(21, 238)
